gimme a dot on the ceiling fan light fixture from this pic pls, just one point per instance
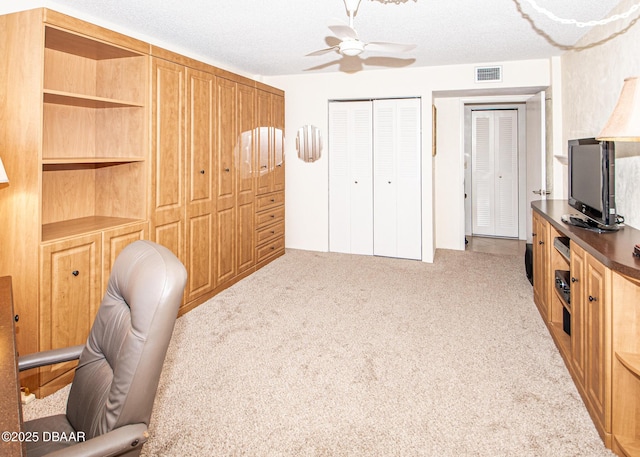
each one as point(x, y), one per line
point(351, 48)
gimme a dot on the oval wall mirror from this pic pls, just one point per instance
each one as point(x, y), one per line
point(309, 143)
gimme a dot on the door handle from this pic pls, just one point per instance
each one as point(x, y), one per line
point(542, 192)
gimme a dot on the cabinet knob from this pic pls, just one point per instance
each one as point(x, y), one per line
point(573, 279)
point(75, 272)
point(355, 182)
point(16, 318)
point(592, 298)
point(264, 166)
point(227, 170)
point(389, 182)
point(201, 172)
point(279, 165)
point(272, 216)
point(534, 234)
point(540, 242)
point(273, 200)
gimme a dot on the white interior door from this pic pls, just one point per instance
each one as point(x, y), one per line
point(397, 228)
point(536, 154)
point(494, 153)
point(350, 177)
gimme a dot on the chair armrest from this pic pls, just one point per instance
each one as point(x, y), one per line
point(40, 359)
point(117, 442)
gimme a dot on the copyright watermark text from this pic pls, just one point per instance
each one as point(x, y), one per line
point(34, 437)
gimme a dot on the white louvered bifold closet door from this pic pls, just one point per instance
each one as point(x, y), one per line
point(495, 173)
point(397, 212)
point(351, 177)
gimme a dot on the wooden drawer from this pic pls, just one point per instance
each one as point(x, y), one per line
point(272, 248)
point(267, 234)
point(269, 217)
point(269, 200)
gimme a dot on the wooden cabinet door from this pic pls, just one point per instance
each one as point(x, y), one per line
point(168, 156)
point(578, 321)
point(597, 315)
point(263, 142)
point(200, 206)
point(277, 155)
point(226, 128)
point(114, 241)
point(226, 142)
point(245, 236)
point(70, 295)
point(541, 282)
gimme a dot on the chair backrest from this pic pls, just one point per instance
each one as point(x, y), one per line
point(118, 373)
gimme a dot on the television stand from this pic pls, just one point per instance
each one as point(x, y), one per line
point(580, 220)
point(602, 351)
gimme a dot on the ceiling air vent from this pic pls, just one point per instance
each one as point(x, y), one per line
point(488, 74)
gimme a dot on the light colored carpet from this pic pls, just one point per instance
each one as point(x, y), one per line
point(323, 354)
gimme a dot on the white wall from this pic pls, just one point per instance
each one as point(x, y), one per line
point(450, 166)
point(306, 101)
point(591, 83)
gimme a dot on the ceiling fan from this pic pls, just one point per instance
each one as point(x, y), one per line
point(348, 42)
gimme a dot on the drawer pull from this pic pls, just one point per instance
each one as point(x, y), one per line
point(273, 232)
point(272, 248)
point(272, 216)
point(75, 272)
point(273, 200)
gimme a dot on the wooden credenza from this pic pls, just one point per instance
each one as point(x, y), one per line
point(602, 346)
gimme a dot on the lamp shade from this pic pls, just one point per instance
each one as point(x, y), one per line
point(3, 174)
point(624, 122)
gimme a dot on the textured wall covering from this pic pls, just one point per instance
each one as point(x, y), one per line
point(591, 82)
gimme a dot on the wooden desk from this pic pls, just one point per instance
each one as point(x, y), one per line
point(10, 405)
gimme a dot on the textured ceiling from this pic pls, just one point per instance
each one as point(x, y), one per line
point(271, 37)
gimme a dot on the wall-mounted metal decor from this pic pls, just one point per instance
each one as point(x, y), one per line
point(309, 143)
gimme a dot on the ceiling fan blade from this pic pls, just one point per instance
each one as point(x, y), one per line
point(343, 31)
point(392, 62)
point(322, 51)
point(379, 46)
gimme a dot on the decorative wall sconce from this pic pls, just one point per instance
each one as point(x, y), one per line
point(309, 143)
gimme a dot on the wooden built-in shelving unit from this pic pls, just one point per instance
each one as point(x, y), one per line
point(108, 139)
point(603, 351)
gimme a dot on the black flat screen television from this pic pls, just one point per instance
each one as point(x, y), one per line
point(592, 183)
